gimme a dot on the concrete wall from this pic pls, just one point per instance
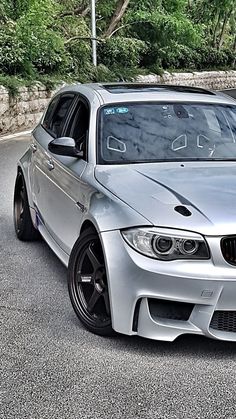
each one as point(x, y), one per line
point(25, 110)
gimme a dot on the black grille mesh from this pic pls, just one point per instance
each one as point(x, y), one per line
point(172, 310)
point(228, 248)
point(224, 321)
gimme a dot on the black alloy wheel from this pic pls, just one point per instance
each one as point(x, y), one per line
point(24, 227)
point(87, 283)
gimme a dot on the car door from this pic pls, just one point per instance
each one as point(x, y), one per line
point(58, 184)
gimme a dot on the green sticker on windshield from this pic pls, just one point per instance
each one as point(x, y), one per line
point(114, 111)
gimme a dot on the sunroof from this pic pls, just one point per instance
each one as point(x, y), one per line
point(146, 88)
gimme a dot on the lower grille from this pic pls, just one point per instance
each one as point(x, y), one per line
point(224, 321)
point(171, 310)
point(228, 248)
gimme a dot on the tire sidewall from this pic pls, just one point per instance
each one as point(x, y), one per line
point(87, 236)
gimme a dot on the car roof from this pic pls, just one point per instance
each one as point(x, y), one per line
point(140, 92)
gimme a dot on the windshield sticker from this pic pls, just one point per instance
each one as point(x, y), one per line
point(115, 145)
point(114, 111)
point(122, 110)
point(109, 111)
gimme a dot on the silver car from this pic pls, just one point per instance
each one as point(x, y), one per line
point(134, 188)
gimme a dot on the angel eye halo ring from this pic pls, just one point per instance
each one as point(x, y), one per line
point(167, 244)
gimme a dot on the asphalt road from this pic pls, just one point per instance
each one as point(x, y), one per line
point(50, 367)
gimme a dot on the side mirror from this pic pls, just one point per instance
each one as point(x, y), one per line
point(64, 146)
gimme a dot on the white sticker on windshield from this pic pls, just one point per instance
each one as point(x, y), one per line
point(115, 144)
point(114, 111)
point(122, 110)
point(109, 111)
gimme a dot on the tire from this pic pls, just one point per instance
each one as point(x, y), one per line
point(87, 284)
point(24, 227)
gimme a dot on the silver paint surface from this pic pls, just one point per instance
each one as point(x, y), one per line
point(123, 196)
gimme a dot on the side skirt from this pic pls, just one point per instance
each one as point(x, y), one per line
point(64, 257)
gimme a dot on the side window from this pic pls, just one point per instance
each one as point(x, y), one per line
point(79, 126)
point(48, 115)
point(57, 121)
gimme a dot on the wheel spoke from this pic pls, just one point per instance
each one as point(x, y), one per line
point(93, 258)
point(93, 300)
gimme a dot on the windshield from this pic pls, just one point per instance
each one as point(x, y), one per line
point(148, 132)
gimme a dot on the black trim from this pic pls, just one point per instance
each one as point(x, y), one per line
point(228, 249)
point(224, 321)
point(119, 88)
point(168, 309)
point(136, 315)
point(79, 98)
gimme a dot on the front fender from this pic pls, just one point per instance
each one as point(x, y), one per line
point(110, 213)
point(104, 209)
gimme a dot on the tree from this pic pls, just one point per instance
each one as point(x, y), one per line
point(53, 37)
point(117, 16)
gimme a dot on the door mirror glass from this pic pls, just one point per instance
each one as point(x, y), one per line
point(64, 146)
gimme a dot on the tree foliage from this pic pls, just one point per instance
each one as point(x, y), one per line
point(53, 37)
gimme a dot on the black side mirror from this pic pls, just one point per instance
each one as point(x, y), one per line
point(64, 146)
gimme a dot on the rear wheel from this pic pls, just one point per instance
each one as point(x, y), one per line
point(87, 283)
point(24, 227)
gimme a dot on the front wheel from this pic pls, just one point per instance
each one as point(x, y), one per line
point(87, 283)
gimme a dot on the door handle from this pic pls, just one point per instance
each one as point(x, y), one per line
point(50, 164)
point(33, 147)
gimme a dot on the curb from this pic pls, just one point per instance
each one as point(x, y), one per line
point(16, 135)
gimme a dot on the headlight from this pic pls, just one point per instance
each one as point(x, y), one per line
point(167, 244)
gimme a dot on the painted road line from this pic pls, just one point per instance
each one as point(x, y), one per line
point(18, 134)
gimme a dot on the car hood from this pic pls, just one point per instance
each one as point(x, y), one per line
point(154, 190)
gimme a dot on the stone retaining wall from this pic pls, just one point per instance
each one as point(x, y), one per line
point(24, 111)
point(215, 80)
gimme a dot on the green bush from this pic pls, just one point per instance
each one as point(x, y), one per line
point(12, 51)
point(183, 57)
point(120, 51)
point(211, 58)
point(180, 57)
point(103, 74)
point(44, 46)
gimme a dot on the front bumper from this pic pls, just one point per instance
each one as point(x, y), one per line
point(209, 285)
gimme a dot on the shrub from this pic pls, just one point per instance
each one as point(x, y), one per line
point(121, 51)
point(12, 51)
point(211, 58)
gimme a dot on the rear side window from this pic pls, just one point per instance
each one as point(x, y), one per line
point(55, 117)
